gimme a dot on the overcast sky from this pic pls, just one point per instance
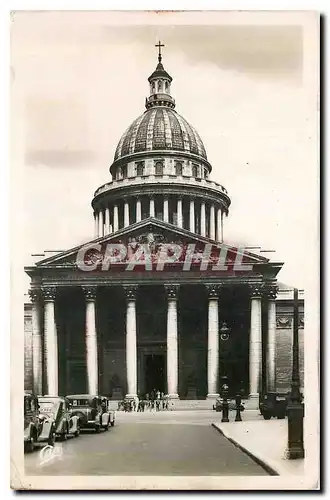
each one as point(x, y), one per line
point(247, 85)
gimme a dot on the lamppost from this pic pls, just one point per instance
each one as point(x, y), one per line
point(224, 338)
point(295, 407)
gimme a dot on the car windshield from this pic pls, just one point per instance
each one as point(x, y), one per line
point(46, 406)
point(80, 402)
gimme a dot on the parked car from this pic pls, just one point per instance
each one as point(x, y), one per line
point(92, 410)
point(37, 429)
point(59, 409)
point(273, 404)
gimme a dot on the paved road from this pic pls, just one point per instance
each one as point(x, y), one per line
point(164, 443)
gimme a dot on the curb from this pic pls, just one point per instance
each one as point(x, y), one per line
point(259, 461)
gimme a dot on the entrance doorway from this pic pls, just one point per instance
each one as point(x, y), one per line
point(154, 372)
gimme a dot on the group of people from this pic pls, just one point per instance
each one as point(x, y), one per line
point(155, 401)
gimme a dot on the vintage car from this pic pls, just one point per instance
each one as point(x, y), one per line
point(59, 409)
point(37, 429)
point(93, 411)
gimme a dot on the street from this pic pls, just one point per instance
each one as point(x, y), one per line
point(163, 443)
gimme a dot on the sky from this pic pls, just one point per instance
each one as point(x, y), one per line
point(248, 84)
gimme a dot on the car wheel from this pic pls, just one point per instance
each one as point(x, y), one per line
point(77, 433)
point(30, 445)
point(267, 416)
point(52, 437)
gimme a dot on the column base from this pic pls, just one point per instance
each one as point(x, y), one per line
point(173, 396)
point(253, 402)
point(131, 396)
point(212, 396)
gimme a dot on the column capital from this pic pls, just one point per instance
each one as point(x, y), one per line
point(172, 291)
point(271, 291)
point(256, 290)
point(213, 290)
point(34, 294)
point(90, 292)
point(48, 293)
point(130, 291)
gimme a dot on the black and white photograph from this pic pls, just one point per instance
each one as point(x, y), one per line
point(165, 189)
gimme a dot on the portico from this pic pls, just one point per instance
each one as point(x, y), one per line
point(109, 337)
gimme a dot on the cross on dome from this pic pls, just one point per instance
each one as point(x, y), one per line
point(159, 45)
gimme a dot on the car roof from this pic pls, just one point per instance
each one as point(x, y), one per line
point(82, 396)
point(51, 398)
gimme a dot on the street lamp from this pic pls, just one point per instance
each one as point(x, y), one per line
point(224, 332)
point(295, 407)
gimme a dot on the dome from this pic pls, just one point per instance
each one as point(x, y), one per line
point(160, 128)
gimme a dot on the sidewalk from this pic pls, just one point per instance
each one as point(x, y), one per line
point(265, 441)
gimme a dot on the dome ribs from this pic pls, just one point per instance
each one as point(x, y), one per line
point(141, 134)
point(150, 129)
point(159, 131)
point(177, 137)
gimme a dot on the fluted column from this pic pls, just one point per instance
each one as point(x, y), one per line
point(203, 219)
point(179, 213)
point(255, 341)
point(172, 340)
point(213, 341)
point(115, 218)
point(192, 216)
point(271, 340)
point(101, 223)
point(36, 341)
point(165, 210)
point(91, 340)
point(50, 346)
point(107, 220)
point(212, 222)
point(131, 349)
point(138, 210)
point(96, 225)
point(219, 235)
point(152, 207)
point(126, 214)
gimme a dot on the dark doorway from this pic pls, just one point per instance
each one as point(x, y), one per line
point(154, 372)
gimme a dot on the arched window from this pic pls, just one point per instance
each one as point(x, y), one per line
point(119, 173)
point(139, 168)
point(166, 86)
point(159, 168)
point(195, 170)
point(160, 85)
point(178, 168)
point(153, 87)
point(124, 171)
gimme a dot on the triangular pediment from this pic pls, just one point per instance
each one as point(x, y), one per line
point(149, 241)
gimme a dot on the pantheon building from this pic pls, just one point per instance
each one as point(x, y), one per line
point(159, 299)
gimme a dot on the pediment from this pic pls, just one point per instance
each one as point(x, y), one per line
point(152, 244)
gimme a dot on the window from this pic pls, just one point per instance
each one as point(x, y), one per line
point(119, 173)
point(166, 86)
point(124, 171)
point(139, 167)
point(159, 168)
point(195, 170)
point(178, 168)
point(160, 85)
point(153, 87)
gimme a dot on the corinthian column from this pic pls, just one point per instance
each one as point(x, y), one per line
point(219, 225)
point(101, 223)
point(203, 219)
point(96, 225)
point(115, 218)
point(36, 341)
point(138, 210)
point(91, 340)
point(212, 222)
point(165, 210)
point(131, 350)
point(126, 214)
point(107, 220)
point(51, 349)
point(152, 207)
point(255, 341)
point(271, 340)
point(192, 216)
point(179, 213)
point(172, 340)
point(213, 341)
